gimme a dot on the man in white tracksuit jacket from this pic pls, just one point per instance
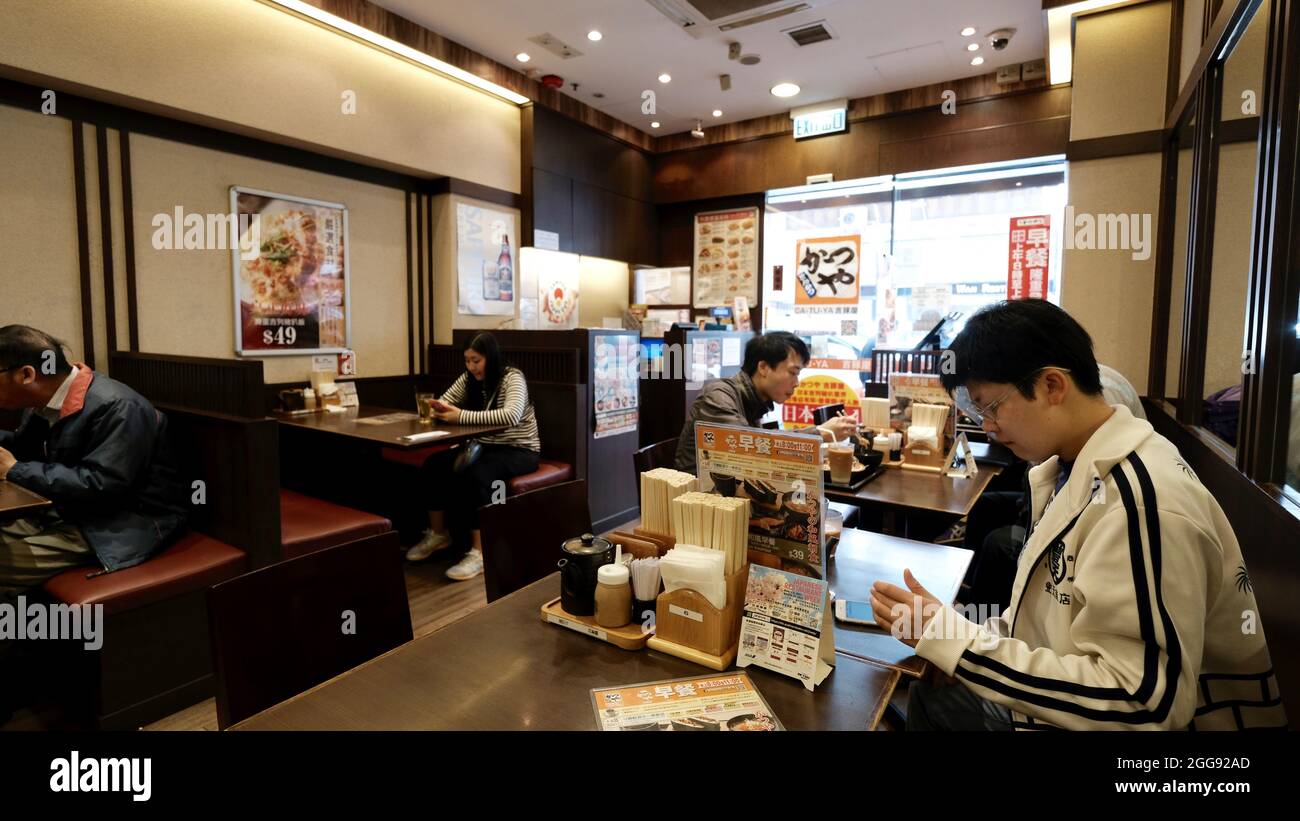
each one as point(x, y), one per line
point(1132, 606)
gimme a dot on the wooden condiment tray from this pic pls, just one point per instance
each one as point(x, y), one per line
point(629, 637)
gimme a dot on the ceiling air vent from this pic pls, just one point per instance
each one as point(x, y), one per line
point(703, 18)
point(807, 35)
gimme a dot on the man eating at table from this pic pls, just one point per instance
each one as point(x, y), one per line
point(1132, 607)
point(769, 374)
point(92, 446)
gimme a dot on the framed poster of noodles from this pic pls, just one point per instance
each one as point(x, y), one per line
point(292, 293)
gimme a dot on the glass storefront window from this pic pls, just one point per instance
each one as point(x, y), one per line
point(930, 244)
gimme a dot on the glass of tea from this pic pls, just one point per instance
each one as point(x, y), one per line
point(424, 405)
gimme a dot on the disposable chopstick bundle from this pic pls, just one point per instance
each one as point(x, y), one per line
point(658, 488)
point(714, 522)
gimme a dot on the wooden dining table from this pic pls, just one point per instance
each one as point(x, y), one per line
point(16, 500)
point(861, 559)
point(386, 427)
point(503, 668)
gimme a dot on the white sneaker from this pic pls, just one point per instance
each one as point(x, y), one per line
point(427, 546)
point(468, 567)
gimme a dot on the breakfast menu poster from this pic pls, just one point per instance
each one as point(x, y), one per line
point(721, 702)
point(786, 625)
point(781, 474)
point(726, 257)
point(291, 274)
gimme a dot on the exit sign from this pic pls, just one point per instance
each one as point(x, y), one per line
point(827, 121)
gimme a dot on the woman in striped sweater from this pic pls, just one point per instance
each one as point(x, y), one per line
point(490, 392)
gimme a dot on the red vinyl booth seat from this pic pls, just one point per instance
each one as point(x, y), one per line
point(194, 562)
point(548, 473)
point(308, 524)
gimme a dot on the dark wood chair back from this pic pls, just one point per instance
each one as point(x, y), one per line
point(229, 386)
point(659, 455)
point(522, 536)
point(285, 628)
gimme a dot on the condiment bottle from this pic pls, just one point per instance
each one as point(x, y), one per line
point(613, 595)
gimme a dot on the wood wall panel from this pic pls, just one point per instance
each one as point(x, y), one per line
point(1029, 124)
point(969, 91)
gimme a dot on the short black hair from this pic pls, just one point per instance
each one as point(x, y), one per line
point(22, 345)
point(773, 347)
point(1009, 342)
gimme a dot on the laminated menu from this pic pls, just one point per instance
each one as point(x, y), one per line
point(726, 702)
point(780, 473)
point(787, 625)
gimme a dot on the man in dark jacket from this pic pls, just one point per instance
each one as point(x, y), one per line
point(93, 447)
point(769, 374)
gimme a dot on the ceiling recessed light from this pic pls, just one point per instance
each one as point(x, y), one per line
point(978, 61)
point(717, 112)
point(968, 31)
point(654, 124)
point(523, 57)
point(665, 78)
point(973, 47)
point(785, 89)
point(594, 36)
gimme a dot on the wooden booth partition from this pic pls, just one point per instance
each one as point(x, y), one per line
point(220, 437)
point(560, 368)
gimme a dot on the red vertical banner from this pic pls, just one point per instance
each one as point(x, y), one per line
point(1028, 252)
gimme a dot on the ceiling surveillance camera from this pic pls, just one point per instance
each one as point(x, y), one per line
point(1001, 38)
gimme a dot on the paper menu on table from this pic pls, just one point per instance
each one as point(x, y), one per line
point(726, 702)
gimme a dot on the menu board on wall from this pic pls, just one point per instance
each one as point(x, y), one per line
point(726, 257)
point(616, 380)
point(485, 260)
point(781, 474)
point(291, 293)
point(1027, 257)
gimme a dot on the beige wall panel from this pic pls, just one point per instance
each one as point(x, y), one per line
point(255, 67)
point(39, 276)
point(187, 297)
point(1193, 10)
point(1108, 291)
point(1120, 63)
point(602, 290)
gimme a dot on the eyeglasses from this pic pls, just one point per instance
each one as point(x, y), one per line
point(989, 412)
